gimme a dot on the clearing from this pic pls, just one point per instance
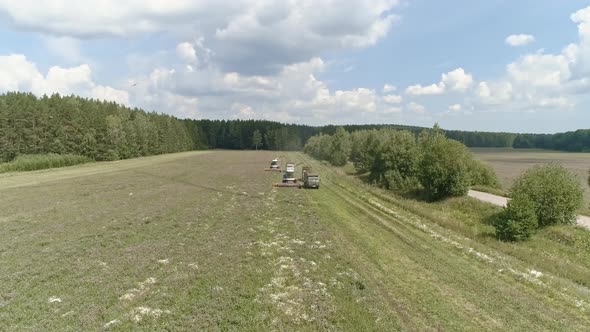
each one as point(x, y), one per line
point(201, 241)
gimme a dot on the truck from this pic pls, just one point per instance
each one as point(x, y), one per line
point(310, 179)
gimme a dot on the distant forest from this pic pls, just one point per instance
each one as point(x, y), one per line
point(108, 131)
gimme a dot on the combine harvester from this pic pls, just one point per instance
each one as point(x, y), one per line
point(289, 180)
point(274, 166)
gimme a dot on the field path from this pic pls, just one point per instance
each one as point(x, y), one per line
point(583, 221)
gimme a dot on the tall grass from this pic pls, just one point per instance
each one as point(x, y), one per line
point(32, 162)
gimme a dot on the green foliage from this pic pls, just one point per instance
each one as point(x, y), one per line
point(395, 160)
point(444, 169)
point(256, 138)
point(42, 161)
point(482, 174)
point(518, 221)
point(554, 191)
point(339, 147)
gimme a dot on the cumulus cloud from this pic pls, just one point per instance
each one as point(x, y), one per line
point(186, 52)
point(540, 70)
point(419, 90)
point(545, 81)
point(519, 40)
point(17, 73)
point(293, 94)
point(253, 36)
point(387, 88)
point(392, 99)
point(457, 80)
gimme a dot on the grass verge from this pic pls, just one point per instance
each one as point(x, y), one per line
point(33, 162)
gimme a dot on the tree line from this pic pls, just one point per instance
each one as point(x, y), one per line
point(99, 130)
point(399, 160)
point(108, 131)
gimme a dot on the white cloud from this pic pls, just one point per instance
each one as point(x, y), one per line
point(455, 108)
point(457, 80)
point(107, 93)
point(392, 99)
point(293, 94)
point(493, 93)
point(419, 90)
point(543, 81)
point(416, 108)
point(248, 36)
point(19, 74)
point(387, 88)
point(186, 52)
point(243, 112)
point(519, 40)
point(540, 70)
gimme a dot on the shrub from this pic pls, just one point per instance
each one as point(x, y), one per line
point(363, 144)
point(395, 160)
point(483, 175)
point(42, 161)
point(339, 148)
point(518, 221)
point(444, 167)
point(555, 192)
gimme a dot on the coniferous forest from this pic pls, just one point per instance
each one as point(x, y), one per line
point(108, 131)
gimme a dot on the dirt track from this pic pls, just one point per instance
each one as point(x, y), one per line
point(583, 221)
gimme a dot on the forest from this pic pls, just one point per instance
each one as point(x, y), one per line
point(108, 131)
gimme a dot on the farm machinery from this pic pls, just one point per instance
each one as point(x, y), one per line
point(289, 180)
point(308, 179)
point(274, 166)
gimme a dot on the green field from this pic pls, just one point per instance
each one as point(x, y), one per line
point(201, 241)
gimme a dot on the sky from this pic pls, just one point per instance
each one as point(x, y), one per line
point(498, 65)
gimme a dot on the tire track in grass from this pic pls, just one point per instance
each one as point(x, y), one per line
point(454, 254)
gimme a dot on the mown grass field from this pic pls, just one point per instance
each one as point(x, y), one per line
point(201, 241)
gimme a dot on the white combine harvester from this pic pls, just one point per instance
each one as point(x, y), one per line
point(289, 179)
point(274, 166)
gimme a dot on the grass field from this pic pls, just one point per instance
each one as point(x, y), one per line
point(201, 241)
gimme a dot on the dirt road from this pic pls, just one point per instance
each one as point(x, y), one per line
point(583, 221)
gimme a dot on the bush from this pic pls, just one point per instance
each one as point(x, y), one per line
point(339, 148)
point(483, 175)
point(395, 160)
point(444, 168)
point(518, 221)
point(42, 161)
point(555, 192)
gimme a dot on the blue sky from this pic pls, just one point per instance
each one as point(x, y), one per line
point(472, 65)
